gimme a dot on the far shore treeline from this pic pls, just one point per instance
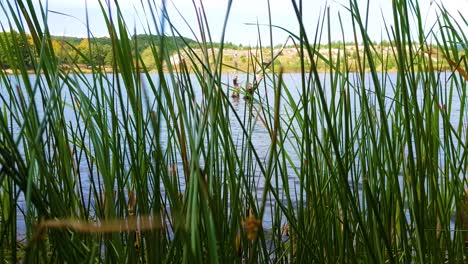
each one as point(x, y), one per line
point(83, 53)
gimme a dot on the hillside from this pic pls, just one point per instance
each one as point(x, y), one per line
point(80, 51)
point(252, 59)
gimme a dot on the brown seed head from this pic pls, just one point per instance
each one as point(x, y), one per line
point(251, 227)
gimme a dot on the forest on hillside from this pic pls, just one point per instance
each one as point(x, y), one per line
point(80, 51)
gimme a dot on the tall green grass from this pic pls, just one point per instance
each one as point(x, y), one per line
point(149, 167)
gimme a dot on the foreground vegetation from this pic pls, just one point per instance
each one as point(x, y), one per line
point(132, 168)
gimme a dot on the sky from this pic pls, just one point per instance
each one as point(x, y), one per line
point(182, 14)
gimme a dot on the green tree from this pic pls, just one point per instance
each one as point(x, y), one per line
point(94, 53)
point(63, 51)
point(84, 51)
point(15, 49)
point(109, 55)
point(148, 58)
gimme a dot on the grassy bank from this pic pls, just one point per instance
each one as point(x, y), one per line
point(133, 168)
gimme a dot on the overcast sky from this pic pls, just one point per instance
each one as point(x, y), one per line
point(242, 12)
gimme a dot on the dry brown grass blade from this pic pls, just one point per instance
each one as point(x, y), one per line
point(259, 116)
point(183, 148)
point(457, 68)
point(452, 63)
point(131, 224)
point(142, 223)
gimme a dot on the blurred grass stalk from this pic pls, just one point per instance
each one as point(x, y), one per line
point(380, 163)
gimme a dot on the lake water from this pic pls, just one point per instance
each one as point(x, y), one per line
point(260, 136)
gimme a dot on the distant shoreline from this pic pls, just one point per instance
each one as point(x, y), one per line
point(245, 60)
point(109, 70)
